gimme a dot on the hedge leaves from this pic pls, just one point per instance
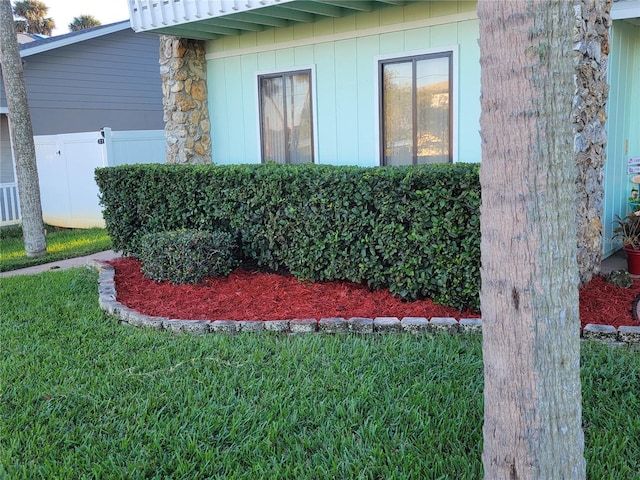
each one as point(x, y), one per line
point(415, 230)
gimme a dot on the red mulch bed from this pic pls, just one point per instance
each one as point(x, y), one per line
point(253, 295)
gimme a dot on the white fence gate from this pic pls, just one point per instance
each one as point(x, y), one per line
point(66, 166)
point(65, 170)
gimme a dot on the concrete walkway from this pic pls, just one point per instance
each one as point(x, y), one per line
point(617, 261)
point(62, 264)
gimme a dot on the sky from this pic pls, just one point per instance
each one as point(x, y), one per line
point(64, 11)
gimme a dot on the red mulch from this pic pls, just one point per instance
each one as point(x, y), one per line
point(605, 304)
point(252, 295)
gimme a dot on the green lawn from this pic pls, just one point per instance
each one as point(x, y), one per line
point(84, 397)
point(62, 243)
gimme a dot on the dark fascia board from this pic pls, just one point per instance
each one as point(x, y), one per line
point(51, 43)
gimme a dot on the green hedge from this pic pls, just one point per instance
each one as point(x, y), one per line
point(187, 256)
point(415, 230)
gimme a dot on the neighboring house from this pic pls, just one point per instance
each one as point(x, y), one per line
point(105, 76)
point(30, 37)
point(322, 81)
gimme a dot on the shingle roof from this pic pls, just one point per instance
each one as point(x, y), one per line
point(49, 43)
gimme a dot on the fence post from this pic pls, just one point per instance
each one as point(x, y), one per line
point(107, 147)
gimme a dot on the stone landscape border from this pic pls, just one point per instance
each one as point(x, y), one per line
point(413, 325)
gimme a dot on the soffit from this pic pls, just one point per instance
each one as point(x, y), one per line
point(217, 19)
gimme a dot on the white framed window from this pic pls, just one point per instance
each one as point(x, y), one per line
point(416, 108)
point(286, 116)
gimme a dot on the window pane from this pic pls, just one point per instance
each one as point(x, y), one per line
point(397, 112)
point(416, 110)
point(432, 85)
point(299, 118)
point(273, 119)
point(286, 118)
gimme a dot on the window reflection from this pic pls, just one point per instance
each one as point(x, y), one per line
point(416, 110)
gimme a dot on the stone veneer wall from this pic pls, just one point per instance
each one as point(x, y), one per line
point(591, 50)
point(184, 90)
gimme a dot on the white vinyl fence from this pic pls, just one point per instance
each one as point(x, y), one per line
point(66, 166)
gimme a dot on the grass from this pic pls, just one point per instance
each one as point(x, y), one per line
point(62, 243)
point(85, 397)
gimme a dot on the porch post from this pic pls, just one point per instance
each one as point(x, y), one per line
point(591, 51)
point(184, 90)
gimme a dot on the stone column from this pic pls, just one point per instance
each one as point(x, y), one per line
point(184, 91)
point(591, 51)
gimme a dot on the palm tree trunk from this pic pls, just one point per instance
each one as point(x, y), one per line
point(21, 135)
point(529, 296)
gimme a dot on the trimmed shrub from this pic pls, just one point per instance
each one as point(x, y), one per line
point(415, 230)
point(186, 256)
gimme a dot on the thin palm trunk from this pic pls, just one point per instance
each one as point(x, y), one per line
point(21, 136)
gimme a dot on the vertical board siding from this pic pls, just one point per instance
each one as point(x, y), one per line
point(217, 91)
point(303, 55)
point(392, 42)
point(439, 9)
point(302, 31)
point(467, 136)
point(623, 111)
point(323, 27)
point(368, 48)
point(249, 107)
point(285, 59)
point(236, 99)
point(345, 79)
point(326, 78)
point(267, 60)
point(346, 106)
point(419, 38)
point(345, 24)
point(370, 19)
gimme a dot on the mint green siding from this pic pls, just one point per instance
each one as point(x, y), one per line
point(623, 124)
point(468, 139)
point(343, 54)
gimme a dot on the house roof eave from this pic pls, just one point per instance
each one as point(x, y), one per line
point(625, 10)
point(51, 43)
point(212, 19)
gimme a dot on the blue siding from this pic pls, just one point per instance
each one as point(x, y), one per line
point(368, 47)
point(392, 42)
point(468, 107)
point(220, 117)
point(249, 105)
point(236, 97)
point(623, 127)
point(326, 103)
point(343, 54)
point(346, 106)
